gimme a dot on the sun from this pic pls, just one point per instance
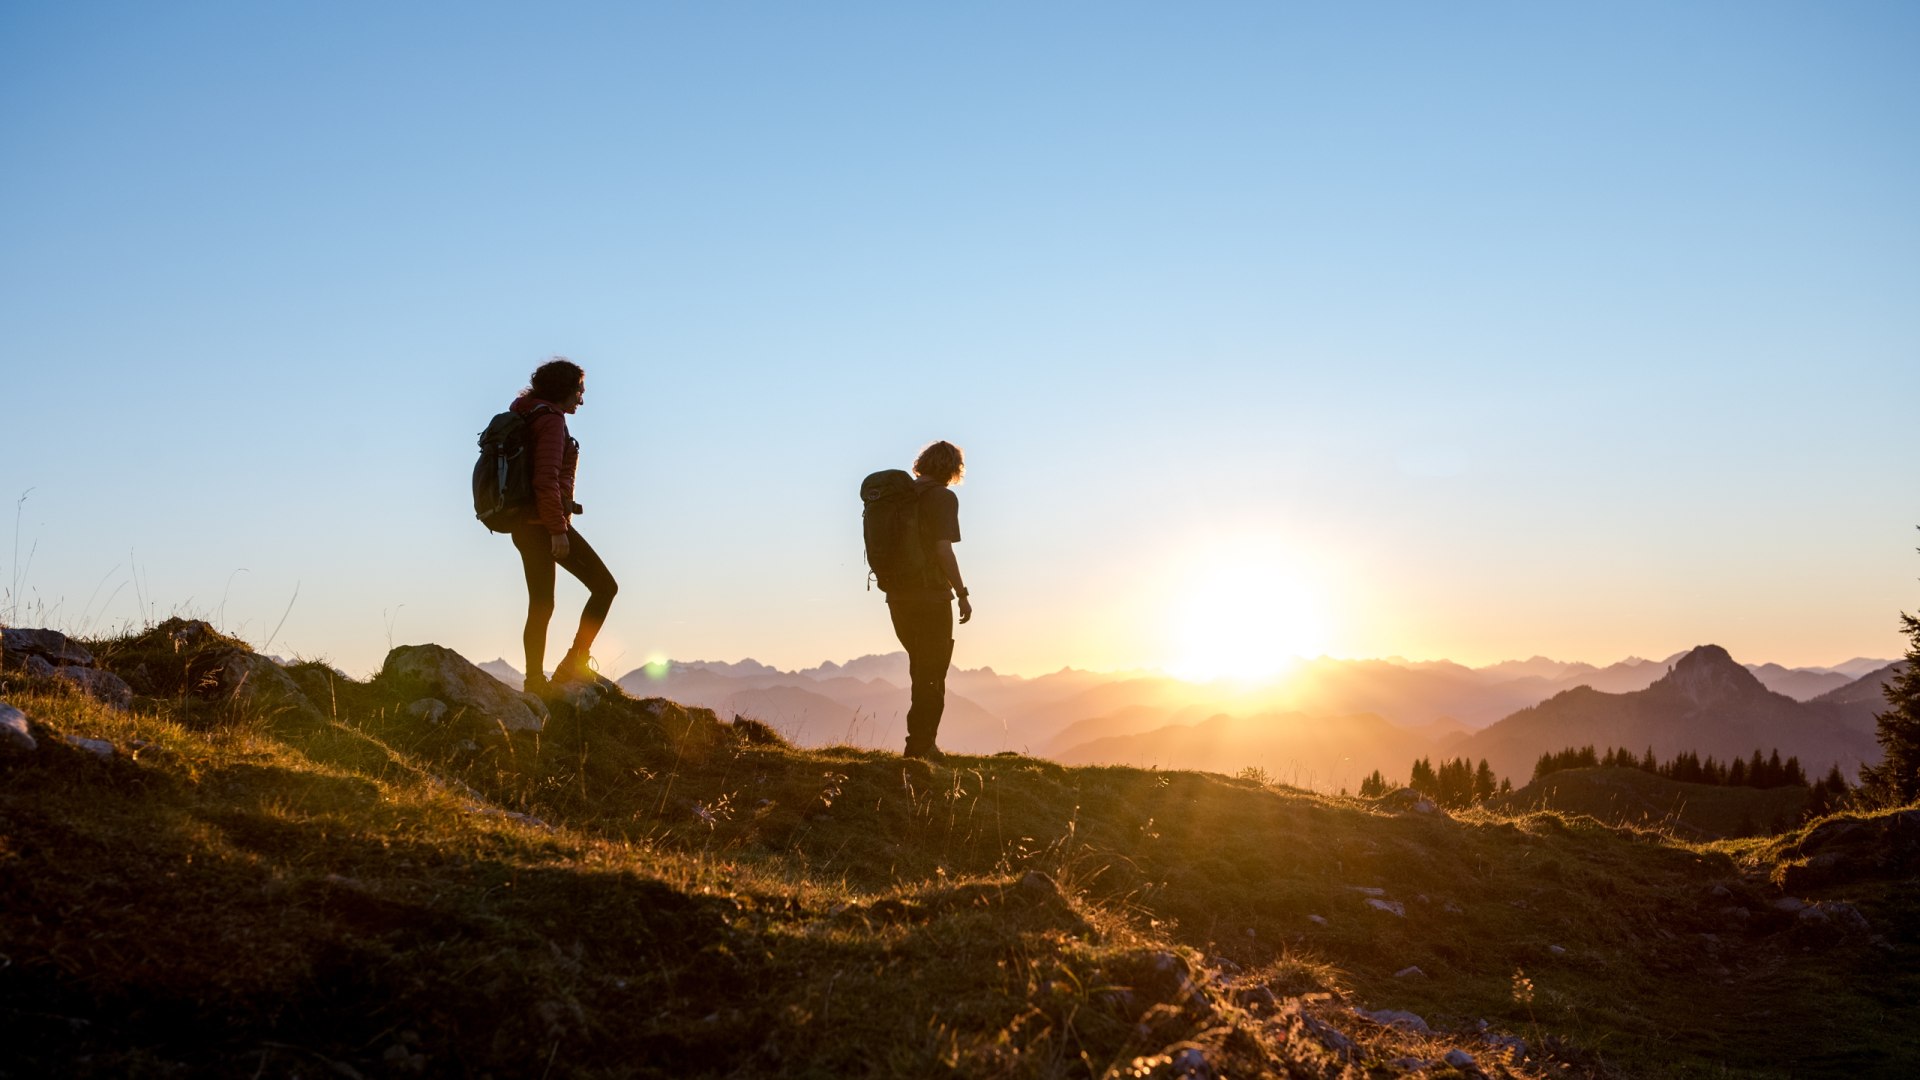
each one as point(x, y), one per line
point(1245, 618)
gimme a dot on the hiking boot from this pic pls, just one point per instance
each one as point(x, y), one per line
point(575, 667)
point(929, 754)
point(537, 685)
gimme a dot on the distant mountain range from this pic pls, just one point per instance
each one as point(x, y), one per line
point(1327, 724)
point(1707, 704)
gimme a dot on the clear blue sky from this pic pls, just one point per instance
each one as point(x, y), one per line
point(1486, 329)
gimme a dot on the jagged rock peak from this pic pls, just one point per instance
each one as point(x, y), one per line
point(1709, 674)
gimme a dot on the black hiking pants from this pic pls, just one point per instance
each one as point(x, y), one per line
point(536, 558)
point(924, 625)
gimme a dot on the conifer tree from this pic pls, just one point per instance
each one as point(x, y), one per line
point(1373, 786)
point(1421, 778)
point(1896, 780)
point(1836, 784)
point(1483, 788)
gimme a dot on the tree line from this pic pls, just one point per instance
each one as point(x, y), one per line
point(1460, 782)
point(1686, 767)
point(1453, 783)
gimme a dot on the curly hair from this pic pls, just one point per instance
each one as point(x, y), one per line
point(941, 461)
point(555, 379)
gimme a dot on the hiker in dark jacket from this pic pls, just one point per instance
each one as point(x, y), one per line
point(922, 614)
point(547, 537)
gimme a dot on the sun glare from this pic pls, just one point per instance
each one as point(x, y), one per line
point(1245, 619)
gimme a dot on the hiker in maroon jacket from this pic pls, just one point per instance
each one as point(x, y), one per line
point(548, 536)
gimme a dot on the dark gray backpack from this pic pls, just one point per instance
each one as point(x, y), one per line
point(890, 523)
point(503, 477)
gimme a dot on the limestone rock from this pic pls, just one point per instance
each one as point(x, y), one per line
point(1410, 972)
point(1409, 801)
point(1304, 1029)
point(1396, 1018)
point(13, 728)
point(1827, 922)
point(99, 748)
point(1460, 1059)
point(260, 684)
point(102, 686)
point(50, 645)
point(431, 710)
point(581, 696)
point(38, 667)
point(1514, 1045)
point(453, 679)
point(1391, 907)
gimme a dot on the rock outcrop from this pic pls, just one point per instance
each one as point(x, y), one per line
point(1844, 850)
point(435, 671)
point(50, 645)
point(49, 654)
point(13, 729)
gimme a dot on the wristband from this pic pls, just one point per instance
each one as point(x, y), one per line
point(960, 592)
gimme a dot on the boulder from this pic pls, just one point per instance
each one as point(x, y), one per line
point(317, 684)
point(13, 728)
point(258, 684)
point(102, 686)
point(452, 678)
point(50, 645)
point(1391, 907)
point(431, 710)
point(187, 657)
point(38, 667)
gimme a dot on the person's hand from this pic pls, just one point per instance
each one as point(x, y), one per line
point(560, 547)
point(966, 609)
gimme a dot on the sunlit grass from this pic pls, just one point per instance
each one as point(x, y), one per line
point(643, 887)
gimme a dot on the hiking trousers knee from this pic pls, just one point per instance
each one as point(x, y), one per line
point(924, 626)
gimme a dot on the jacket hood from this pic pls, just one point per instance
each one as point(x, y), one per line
point(527, 403)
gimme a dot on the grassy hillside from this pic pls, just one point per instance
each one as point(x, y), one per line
point(642, 890)
point(1641, 799)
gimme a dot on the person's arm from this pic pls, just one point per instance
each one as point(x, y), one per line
point(549, 438)
point(943, 551)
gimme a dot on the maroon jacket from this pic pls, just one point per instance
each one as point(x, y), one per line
point(555, 457)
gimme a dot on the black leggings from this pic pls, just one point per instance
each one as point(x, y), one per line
point(536, 558)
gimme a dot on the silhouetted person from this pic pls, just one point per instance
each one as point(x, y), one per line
point(923, 612)
point(547, 537)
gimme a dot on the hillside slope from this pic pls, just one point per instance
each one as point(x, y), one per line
point(234, 885)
